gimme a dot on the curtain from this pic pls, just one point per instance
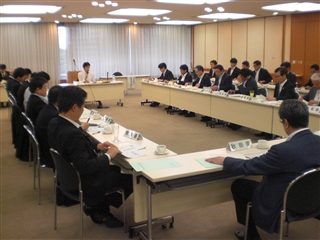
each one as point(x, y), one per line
point(31, 45)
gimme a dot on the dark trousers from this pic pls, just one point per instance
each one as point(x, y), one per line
point(242, 191)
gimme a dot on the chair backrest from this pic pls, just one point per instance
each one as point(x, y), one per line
point(28, 121)
point(302, 196)
point(68, 178)
point(12, 98)
point(262, 91)
point(34, 142)
point(117, 74)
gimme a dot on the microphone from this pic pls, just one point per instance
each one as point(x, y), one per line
point(74, 63)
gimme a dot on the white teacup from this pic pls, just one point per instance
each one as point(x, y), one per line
point(107, 129)
point(262, 143)
point(161, 149)
point(75, 83)
point(96, 116)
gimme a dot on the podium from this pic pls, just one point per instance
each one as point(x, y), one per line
point(72, 76)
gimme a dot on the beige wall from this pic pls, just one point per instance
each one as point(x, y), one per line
point(254, 39)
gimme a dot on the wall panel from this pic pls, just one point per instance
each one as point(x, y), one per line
point(199, 45)
point(224, 43)
point(211, 44)
point(255, 40)
point(239, 40)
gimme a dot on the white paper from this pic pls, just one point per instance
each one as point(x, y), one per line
point(133, 153)
point(255, 154)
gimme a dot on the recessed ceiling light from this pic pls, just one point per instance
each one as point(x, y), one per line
point(64, 16)
point(193, 2)
point(138, 12)
point(18, 19)
point(156, 18)
point(178, 22)
point(79, 16)
point(215, 20)
point(135, 23)
point(114, 4)
point(74, 15)
point(166, 18)
point(208, 9)
point(28, 9)
point(295, 6)
point(227, 16)
point(103, 20)
point(70, 16)
point(56, 21)
point(108, 2)
point(101, 5)
point(220, 9)
point(275, 13)
point(95, 4)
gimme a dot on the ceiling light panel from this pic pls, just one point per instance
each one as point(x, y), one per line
point(226, 16)
point(138, 12)
point(193, 2)
point(177, 22)
point(28, 9)
point(294, 6)
point(18, 19)
point(104, 20)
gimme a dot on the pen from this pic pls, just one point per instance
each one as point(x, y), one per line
point(88, 119)
point(95, 132)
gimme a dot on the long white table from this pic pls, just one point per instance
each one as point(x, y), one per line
point(252, 114)
point(3, 93)
point(302, 91)
point(130, 81)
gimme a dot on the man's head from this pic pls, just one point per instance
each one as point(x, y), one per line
point(53, 94)
point(213, 63)
point(281, 74)
point(199, 70)
point(245, 64)
point(286, 65)
point(183, 69)
point(244, 74)
point(256, 65)
point(38, 85)
point(314, 68)
point(293, 115)
point(315, 78)
point(3, 68)
point(28, 73)
point(86, 66)
point(218, 70)
point(19, 74)
point(163, 67)
point(44, 75)
point(71, 101)
point(233, 62)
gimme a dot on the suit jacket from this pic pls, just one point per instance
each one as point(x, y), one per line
point(13, 86)
point(263, 75)
point(251, 84)
point(205, 82)
point(34, 106)
point(167, 76)
point(291, 77)
point(75, 147)
point(309, 83)
point(225, 82)
point(235, 72)
point(47, 113)
point(287, 91)
point(20, 94)
point(279, 166)
point(311, 95)
point(188, 78)
point(212, 74)
point(5, 77)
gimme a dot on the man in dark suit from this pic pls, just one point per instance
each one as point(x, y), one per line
point(96, 173)
point(313, 96)
point(185, 76)
point(284, 88)
point(247, 83)
point(38, 98)
point(47, 113)
point(22, 88)
point(14, 84)
point(233, 71)
point(279, 166)
point(166, 75)
point(3, 73)
point(246, 64)
point(260, 74)
point(223, 79)
point(291, 77)
point(211, 73)
point(313, 69)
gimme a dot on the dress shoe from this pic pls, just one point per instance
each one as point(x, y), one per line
point(111, 221)
point(168, 108)
point(183, 112)
point(154, 104)
point(190, 114)
point(268, 136)
point(205, 119)
point(95, 216)
point(262, 134)
point(99, 106)
point(240, 236)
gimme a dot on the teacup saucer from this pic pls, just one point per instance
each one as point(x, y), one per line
point(262, 147)
point(156, 153)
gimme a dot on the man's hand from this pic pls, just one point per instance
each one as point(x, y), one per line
point(110, 148)
point(311, 102)
point(84, 126)
point(231, 91)
point(198, 85)
point(271, 99)
point(216, 160)
point(262, 81)
point(214, 87)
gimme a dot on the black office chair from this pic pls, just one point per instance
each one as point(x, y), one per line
point(262, 91)
point(15, 116)
point(301, 200)
point(36, 159)
point(30, 124)
point(67, 179)
point(117, 74)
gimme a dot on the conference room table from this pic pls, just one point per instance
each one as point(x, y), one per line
point(235, 108)
point(3, 93)
point(129, 81)
point(100, 91)
point(270, 88)
point(165, 190)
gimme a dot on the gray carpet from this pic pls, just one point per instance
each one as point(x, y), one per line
point(23, 218)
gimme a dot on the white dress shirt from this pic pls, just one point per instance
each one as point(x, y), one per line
point(86, 77)
point(281, 86)
point(257, 75)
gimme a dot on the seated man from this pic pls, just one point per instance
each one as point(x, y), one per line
point(223, 79)
point(38, 98)
point(313, 96)
point(279, 166)
point(166, 75)
point(313, 69)
point(285, 89)
point(247, 83)
point(13, 84)
point(233, 70)
point(96, 173)
point(211, 73)
point(291, 77)
point(260, 74)
point(22, 88)
point(246, 64)
point(4, 74)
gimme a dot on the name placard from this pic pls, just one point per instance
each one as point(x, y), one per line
point(239, 145)
point(314, 109)
point(207, 89)
point(223, 93)
point(108, 119)
point(245, 97)
point(132, 135)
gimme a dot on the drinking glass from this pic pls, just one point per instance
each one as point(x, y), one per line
point(115, 128)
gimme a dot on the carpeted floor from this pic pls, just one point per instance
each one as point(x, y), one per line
point(23, 218)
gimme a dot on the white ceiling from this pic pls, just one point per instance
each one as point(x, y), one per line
point(179, 12)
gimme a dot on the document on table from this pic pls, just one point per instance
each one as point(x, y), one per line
point(155, 164)
point(132, 150)
point(255, 154)
point(206, 164)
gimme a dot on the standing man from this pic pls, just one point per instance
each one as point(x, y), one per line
point(285, 89)
point(291, 77)
point(233, 71)
point(96, 173)
point(260, 74)
point(223, 79)
point(313, 96)
point(279, 166)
